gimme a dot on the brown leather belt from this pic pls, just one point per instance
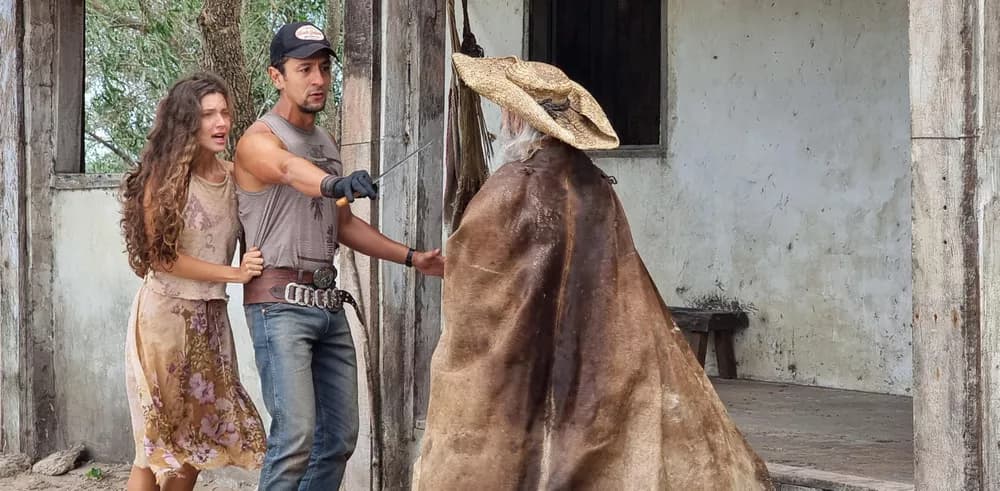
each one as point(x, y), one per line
point(269, 287)
point(292, 286)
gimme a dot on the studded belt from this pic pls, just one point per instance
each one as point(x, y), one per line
point(297, 287)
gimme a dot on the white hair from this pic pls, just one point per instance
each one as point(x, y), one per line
point(519, 140)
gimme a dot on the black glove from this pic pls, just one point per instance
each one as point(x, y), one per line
point(356, 185)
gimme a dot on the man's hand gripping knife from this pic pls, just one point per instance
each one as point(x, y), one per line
point(345, 190)
point(359, 184)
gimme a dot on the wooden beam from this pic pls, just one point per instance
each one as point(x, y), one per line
point(430, 189)
point(16, 434)
point(41, 117)
point(361, 110)
point(396, 208)
point(988, 154)
point(27, 381)
point(949, 159)
point(361, 115)
point(69, 85)
point(942, 40)
point(413, 114)
point(690, 319)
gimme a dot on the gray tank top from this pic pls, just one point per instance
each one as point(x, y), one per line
point(291, 229)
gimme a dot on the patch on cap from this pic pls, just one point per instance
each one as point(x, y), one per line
point(309, 33)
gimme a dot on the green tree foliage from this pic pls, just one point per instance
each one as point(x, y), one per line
point(136, 48)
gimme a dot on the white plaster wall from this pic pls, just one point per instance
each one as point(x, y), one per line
point(93, 292)
point(786, 183)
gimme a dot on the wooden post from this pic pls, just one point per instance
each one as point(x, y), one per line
point(361, 115)
point(14, 411)
point(28, 40)
point(955, 109)
point(70, 86)
point(988, 201)
point(41, 117)
point(413, 114)
point(429, 219)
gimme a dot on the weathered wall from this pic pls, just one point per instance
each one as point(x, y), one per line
point(786, 183)
point(92, 294)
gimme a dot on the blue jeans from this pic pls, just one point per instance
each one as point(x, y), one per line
point(309, 379)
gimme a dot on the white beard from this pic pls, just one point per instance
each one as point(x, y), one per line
point(517, 148)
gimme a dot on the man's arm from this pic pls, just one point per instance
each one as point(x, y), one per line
point(262, 160)
point(357, 234)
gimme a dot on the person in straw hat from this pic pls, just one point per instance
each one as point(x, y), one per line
point(560, 366)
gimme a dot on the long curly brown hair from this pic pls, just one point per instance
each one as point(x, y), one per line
point(164, 170)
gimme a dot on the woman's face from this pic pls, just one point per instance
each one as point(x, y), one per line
point(215, 123)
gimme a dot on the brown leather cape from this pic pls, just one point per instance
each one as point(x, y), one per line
point(559, 366)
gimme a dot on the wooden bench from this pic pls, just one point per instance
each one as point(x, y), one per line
point(701, 323)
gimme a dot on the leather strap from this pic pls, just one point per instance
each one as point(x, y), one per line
point(269, 287)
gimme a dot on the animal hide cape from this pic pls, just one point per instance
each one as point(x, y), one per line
point(559, 366)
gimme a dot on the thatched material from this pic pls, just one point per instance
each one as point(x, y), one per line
point(541, 95)
point(469, 147)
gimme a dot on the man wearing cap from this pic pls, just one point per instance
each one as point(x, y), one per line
point(288, 176)
point(559, 366)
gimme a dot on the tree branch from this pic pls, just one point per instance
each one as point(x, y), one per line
point(110, 146)
point(117, 19)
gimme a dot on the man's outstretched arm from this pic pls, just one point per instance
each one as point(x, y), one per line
point(261, 160)
point(357, 234)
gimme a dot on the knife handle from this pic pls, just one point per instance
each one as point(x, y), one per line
point(342, 202)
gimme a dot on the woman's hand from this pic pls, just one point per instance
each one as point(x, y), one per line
point(251, 266)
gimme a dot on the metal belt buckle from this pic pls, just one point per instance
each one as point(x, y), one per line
point(297, 294)
point(305, 295)
point(325, 277)
point(322, 298)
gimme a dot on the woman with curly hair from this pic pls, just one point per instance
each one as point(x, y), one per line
point(179, 218)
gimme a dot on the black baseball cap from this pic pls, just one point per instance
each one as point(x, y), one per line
point(298, 40)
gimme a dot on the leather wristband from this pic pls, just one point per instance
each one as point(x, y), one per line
point(409, 257)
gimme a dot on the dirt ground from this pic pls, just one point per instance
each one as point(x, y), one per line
point(114, 477)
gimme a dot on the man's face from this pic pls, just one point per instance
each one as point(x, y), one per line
point(510, 124)
point(305, 82)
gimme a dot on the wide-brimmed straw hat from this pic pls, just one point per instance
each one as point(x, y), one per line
point(543, 96)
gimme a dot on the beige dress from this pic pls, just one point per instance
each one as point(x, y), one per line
point(184, 391)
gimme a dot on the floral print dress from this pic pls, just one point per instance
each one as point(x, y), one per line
point(184, 391)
